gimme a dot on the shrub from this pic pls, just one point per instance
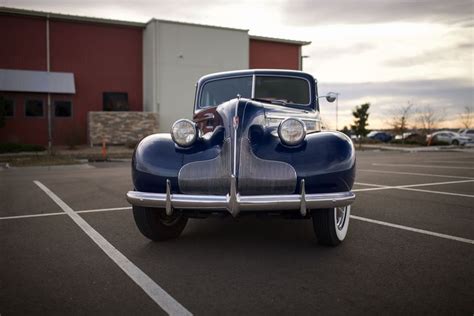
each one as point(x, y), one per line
point(73, 138)
point(17, 148)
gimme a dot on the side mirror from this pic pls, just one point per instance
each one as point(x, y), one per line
point(331, 97)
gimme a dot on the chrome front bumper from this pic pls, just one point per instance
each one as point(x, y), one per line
point(235, 203)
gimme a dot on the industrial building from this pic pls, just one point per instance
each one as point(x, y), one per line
point(57, 68)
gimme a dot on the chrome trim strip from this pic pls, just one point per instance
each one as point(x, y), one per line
point(303, 199)
point(235, 125)
point(168, 208)
point(234, 203)
point(282, 117)
point(253, 87)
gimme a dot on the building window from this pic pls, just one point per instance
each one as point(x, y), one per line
point(34, 108)
point(115, 101)
point(62, 108)
point(7, 107)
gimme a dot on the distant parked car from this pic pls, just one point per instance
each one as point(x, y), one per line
point(448, 137)
point(468, 132)
point(380, 136)
point(355, 137)
point(411, 137)
point(407, 136)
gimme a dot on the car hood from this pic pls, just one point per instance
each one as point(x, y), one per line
point(246, 112)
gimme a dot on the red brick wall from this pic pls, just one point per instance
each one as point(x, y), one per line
point(102, 57)
point(266, 54)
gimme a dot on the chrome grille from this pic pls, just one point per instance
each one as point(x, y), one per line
point(260, 176)
point(208, 176)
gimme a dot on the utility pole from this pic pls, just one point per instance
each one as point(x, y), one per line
point(48, 68)
point(337, 110)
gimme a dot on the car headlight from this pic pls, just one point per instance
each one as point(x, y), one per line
point(184, 132)
point(292, 131)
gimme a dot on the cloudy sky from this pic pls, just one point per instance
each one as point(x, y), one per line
point(385, 52)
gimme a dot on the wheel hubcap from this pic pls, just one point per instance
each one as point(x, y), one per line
point(341, 214)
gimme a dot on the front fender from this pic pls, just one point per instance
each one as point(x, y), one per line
point(325, 160)
point(157, 158)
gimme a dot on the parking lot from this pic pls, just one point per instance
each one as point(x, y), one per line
point(69, 245)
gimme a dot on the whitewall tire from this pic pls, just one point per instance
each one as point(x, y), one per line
point(331, 225)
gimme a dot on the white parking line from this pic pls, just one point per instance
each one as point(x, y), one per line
point(410, 187)
point(439, 192)
point(353, 216)
point(32, 215)
point(62, 213)
point(420, 166)
point(451, 161)
point(416, 230)
point(154, 291)
point(106, 209)
point(414, 174)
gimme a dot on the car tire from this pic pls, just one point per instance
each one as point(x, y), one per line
point(455, 142)
point(331, 225)
point(154, 224)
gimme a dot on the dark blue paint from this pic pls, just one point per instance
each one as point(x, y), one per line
point(326, 160)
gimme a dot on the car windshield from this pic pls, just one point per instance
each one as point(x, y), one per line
point(271, 89)
point(218, 91)
point(283, 89)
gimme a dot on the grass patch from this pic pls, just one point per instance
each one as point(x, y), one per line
point(18, 148)
point(39, 160)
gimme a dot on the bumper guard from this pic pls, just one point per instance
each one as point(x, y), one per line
point(235, 203)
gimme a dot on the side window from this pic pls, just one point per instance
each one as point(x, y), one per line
point(34, 108)
point(62, 108)
point(7, 107)
point(115, 101)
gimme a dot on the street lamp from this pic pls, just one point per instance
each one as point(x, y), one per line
point(301, 60)
point(337, 109)
point(331, 97)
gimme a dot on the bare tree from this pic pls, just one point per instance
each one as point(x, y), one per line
point(401, 117)
point(466, 117)
point(428, 119)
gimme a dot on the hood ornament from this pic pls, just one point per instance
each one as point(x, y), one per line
point(235, 122)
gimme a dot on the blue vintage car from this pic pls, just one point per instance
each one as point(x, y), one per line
point(254, 146)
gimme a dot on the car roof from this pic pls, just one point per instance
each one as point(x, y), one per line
point(444, 132)
point(251, 72)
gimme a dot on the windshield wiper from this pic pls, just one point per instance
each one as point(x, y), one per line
point(272, 101)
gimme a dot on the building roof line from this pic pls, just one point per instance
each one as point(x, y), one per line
point(198, 24)
point(68, 17)
point(279, 40)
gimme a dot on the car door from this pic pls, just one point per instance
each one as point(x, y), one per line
point(443, 137)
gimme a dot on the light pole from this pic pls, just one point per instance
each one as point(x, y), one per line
point(337, 109)
point(301, 60)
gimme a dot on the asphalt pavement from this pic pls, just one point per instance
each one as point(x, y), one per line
point(69, 245)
